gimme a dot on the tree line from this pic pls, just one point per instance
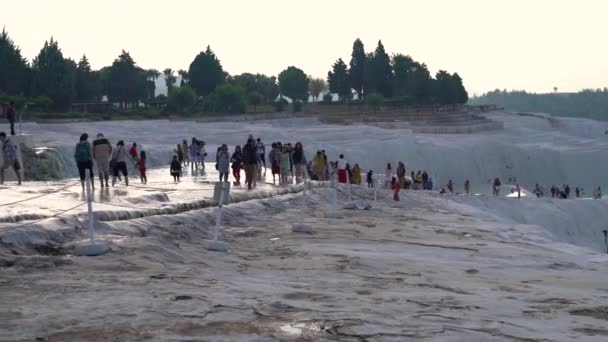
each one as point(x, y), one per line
point(55, 82)
point(588, 103)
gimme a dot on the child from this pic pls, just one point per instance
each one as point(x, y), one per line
point(370, 179)
point(176, 169)
point(141, 165)
point(237, 164)
point(223, 162)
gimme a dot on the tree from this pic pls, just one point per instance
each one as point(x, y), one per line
point(374, 101)
point(357, 68)
point(54, 76)
point(169, 79)
point(14, 69)
point(265, 85)
point(125, 82)
point(205, 72)
point(293, 83)
point(379, 72)
point(339, 81)
point(255, 99)
point(316, 86)
point(227, 98)
point(88, 84)
point(420, 84)
point(181, 99)
point(443, 88)
point(460, 93)
point(183, 74)
point(403, 68)
point(151, 76)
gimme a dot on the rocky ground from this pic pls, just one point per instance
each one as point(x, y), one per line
point(418, 269)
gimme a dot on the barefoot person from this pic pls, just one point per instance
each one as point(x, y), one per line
point(250, 162)
point(119, 162)
point(84, 160)
point(9, 153)
point(237, 164)
point(102, 150)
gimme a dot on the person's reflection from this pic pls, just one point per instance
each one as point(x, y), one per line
point(104, 195)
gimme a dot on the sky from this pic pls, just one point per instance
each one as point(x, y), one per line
point(532, 45)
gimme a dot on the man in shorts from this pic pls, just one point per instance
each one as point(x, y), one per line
point(102, 150)
point(9, 154)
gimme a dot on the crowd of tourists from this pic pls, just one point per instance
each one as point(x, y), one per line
point(288, 163)
point(110, 160)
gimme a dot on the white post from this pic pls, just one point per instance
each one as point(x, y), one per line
point(375, 180)
point(20, 120)
point(90, 209)
point(302, 227)
point(218, 220)
point(93, 247)
point(215, 244)
point(350, 196)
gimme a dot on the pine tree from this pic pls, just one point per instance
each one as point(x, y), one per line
point(205, 72)
point(357, 68)
point(54, 76)
point(338, 80)
point(14, 69)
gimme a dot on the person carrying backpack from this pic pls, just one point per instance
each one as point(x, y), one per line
point(84, 160)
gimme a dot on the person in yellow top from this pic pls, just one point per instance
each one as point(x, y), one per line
point(318, 166)
point(356, 174)
point(419, 177)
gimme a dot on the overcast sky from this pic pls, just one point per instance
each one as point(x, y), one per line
point(513, 44)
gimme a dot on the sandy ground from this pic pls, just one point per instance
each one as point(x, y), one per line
point(418, 269)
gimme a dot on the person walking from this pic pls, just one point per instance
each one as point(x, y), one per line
point(260, 151)
point(193, 151)
point(285, 165)
point(237, 164)
point(179, 150)
point(9, 154)
point(223, 162)
point(274, 157)
point(467, 186)
point(133, 153)
point(11, 115)
point(401, 174)
point(318, 166)
point(496, 187)
point(102, 150)
point(185, 151)
point(356, 174)
point(388, 176)
point(84, 160)
point(118, 162)
point(299, 161)
point(342, 174)
point(175, 169)
point(250, 162)
point(141, 166)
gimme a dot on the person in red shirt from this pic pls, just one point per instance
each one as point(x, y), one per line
point(133, 151)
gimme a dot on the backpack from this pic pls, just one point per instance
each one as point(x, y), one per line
point(83, 152)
